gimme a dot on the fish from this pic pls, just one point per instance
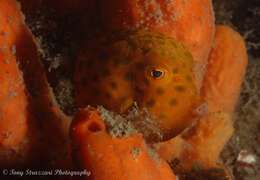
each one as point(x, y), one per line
point(140, 67)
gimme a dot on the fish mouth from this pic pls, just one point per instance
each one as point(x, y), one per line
point(143, 121)
point(126, 105)
point(135, 120)
point(148, 124)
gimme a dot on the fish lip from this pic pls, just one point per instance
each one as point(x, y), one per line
point(126, 105)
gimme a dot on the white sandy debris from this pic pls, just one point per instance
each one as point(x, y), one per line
point(246, 157)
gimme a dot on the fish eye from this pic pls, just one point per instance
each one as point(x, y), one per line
point(157, 73)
